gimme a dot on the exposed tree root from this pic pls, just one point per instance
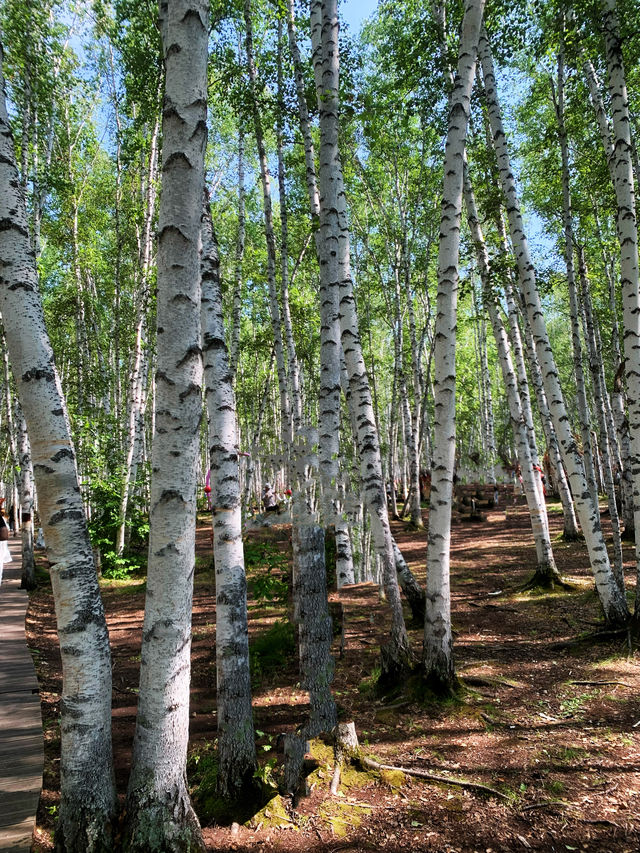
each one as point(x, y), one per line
point(432, 777)
point(347, 747)
point(595, 637)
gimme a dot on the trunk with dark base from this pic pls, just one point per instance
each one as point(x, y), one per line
point(236, 738)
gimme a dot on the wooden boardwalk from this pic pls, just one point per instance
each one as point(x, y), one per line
point(21, 743)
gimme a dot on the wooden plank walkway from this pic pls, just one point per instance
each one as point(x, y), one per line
point(21, 743)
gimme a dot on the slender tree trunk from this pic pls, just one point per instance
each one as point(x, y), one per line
point(613, 603)
point(618, 396)
point(294, 369)
point(518, 353)
point(251, 465)
point(489, 432)
point(393, 443)
point(570, 531)
point(8, 410)
point(87, 804)
point(138, 375)
point(330, 347)
point(274, 307)
point(335, 235)
point(627, 228)
point(599, 392)
point(240, 244)
point(236, 738)
point(567, 221)
point(438, 639)
point(160, 815)
point(416, 372)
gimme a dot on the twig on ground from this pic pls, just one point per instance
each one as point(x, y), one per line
point(601, 683)
point(545, 805)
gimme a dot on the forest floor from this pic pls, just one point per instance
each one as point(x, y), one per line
point(553, 726)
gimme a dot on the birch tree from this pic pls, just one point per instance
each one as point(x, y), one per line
point(335, 236)
point(159, 812)
point(236, 737)
point(87, 804)
point(330, 348)
point(274, 306)
point(627, 228)
point(437, 656)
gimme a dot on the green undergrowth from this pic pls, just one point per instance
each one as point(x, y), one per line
point(272, 650)
point(342, 817)
point(267, 572)
point(202, 772)
point(125, 585)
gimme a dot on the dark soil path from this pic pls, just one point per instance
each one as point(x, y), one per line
point(555, 727)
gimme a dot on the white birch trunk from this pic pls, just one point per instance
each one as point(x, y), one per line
point(87, 804)
point(627, 228)
point(488, 405)
point(160, 816)
point(596, 367)
point(570, 532)
point(335, 235)
point(613, 603)
point(236, 738)
point(294, 368)
point(253, 462)
point(518, 354)
point(567, 223)
point(618, 396)
point(330, 348)
point(437, 656)
point(234, 353)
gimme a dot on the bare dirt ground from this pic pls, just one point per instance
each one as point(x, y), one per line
point(553, 727)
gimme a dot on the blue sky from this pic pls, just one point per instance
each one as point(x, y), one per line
point(354, 12)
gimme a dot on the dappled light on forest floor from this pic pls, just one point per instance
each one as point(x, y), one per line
point(555, 729)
